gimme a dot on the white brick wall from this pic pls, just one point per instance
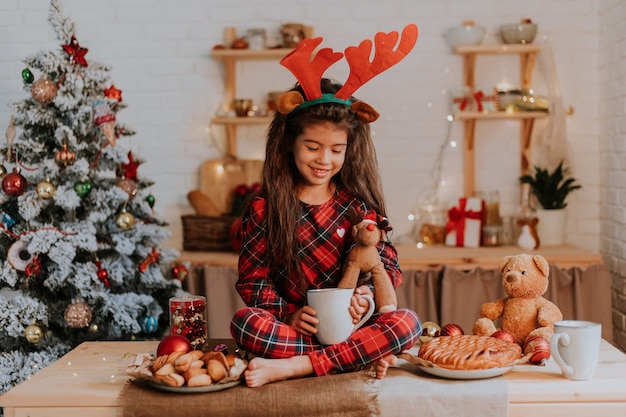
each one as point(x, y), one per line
point(612, 153)
point(159, 54)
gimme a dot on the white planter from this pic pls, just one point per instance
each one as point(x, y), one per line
point(551, 227)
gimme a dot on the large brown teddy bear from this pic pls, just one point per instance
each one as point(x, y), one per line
point(525, 312)
point(363, 262)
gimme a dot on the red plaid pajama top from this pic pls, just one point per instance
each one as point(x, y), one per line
point(325, 240)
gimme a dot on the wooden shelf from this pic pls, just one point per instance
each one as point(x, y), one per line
point(528, 56)
point(230, 57)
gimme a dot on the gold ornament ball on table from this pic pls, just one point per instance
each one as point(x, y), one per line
point(44, 91)
point(78, 315)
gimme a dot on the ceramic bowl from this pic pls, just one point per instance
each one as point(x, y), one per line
point(518, 32)
point(465, 34)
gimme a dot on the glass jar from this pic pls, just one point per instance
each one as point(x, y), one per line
point(432, 220)
point(256, 39)
point(188, 318)
point(492, 206)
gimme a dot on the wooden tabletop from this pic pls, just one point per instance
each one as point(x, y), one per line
point(434, 257)
point(88, 380)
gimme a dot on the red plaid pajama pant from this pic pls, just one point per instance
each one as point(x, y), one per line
point(262, 334)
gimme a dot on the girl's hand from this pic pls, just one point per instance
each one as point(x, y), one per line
point(304, 320)
point(358, 304)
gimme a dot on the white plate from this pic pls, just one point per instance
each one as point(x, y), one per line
point(469, 374)
point(193, 390)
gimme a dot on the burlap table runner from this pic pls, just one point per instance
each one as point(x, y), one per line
point(405, 391)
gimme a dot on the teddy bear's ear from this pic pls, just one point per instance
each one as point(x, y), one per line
point(503, 262)
point(542, 264)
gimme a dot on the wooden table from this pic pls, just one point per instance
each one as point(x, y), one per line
point(436, 256)
point(87, 381)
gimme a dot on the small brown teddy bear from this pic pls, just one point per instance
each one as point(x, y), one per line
point(364, 259)
point(525, 312)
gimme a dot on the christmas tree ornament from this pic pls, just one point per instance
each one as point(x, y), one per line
point(8, 220)
point(13, 183)
point(104, 118)
point(44, 91)
point(65, 157)
point(430, 330)
point(150, 200)
point(27, 76)
point(130, 169)
point(18, 255)
point(153, 257)
point(129, 187)
point(125, 220)
point(93, 328)
point(33, 269)
point(10, 136)
point(45, 190)
point(149, 324)
point(78, 315)
point(173, 343)
point(113, 93)
point(103, 274)
point(76, 52)
point(82, 188)
point(180, 272)
point(33, 333)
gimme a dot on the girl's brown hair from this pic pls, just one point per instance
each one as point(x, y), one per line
point(359, 174)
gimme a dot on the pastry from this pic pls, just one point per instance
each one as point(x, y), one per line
point(469, 352)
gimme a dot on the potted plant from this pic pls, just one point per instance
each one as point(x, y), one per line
point(551, 190)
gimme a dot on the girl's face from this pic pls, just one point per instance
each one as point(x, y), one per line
point(319, 153)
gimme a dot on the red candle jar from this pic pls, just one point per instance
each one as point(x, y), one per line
point(188, 318)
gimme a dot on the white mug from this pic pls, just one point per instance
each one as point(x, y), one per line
point(575, 347)
point(331, 305)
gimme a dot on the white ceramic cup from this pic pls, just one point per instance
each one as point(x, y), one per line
point(331, 305)
point(575, 347)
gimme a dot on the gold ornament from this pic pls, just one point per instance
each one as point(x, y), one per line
point(78, 315)
point(125, 220)
point(33, 333)
point(44, 91)
point(45, 190)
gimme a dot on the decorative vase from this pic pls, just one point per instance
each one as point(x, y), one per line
point(551, 226)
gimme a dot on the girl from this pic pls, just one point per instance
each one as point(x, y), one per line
point(320, 160)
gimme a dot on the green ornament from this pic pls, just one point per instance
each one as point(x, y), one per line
point(150, 199)
point(82, 188)
point(27, 76)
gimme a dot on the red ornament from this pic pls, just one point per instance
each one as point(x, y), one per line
point(504, 335)
point(538, 348)
point(33, 269)
point(451, 330)
point(236, 234)
point(103, 274)
point(152, 257)
point(65, 157)
point(130, 169)
point(76, 52)
point(173, 343)
point(113, 93)
point(180, 272)
point(13, 183)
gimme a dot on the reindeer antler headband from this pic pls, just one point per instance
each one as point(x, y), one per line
point(309, 71)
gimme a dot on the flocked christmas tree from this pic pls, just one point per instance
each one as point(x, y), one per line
point(79, 241)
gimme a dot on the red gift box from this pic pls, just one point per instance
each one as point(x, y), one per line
point(465, 220)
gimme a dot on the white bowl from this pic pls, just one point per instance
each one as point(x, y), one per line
point(465, 34)
point(518, 32)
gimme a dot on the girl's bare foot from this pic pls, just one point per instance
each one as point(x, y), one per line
point(383, 364)
point(263, 371)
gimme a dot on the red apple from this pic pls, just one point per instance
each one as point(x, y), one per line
point(504, 335)
point(173, 343)
point(451, 329)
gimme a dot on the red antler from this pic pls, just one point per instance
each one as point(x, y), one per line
point(361, 70)
point(309, 72)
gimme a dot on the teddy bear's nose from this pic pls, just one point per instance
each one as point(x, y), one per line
point(510, 278)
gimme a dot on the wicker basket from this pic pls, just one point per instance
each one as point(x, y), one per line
point(206, 233)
